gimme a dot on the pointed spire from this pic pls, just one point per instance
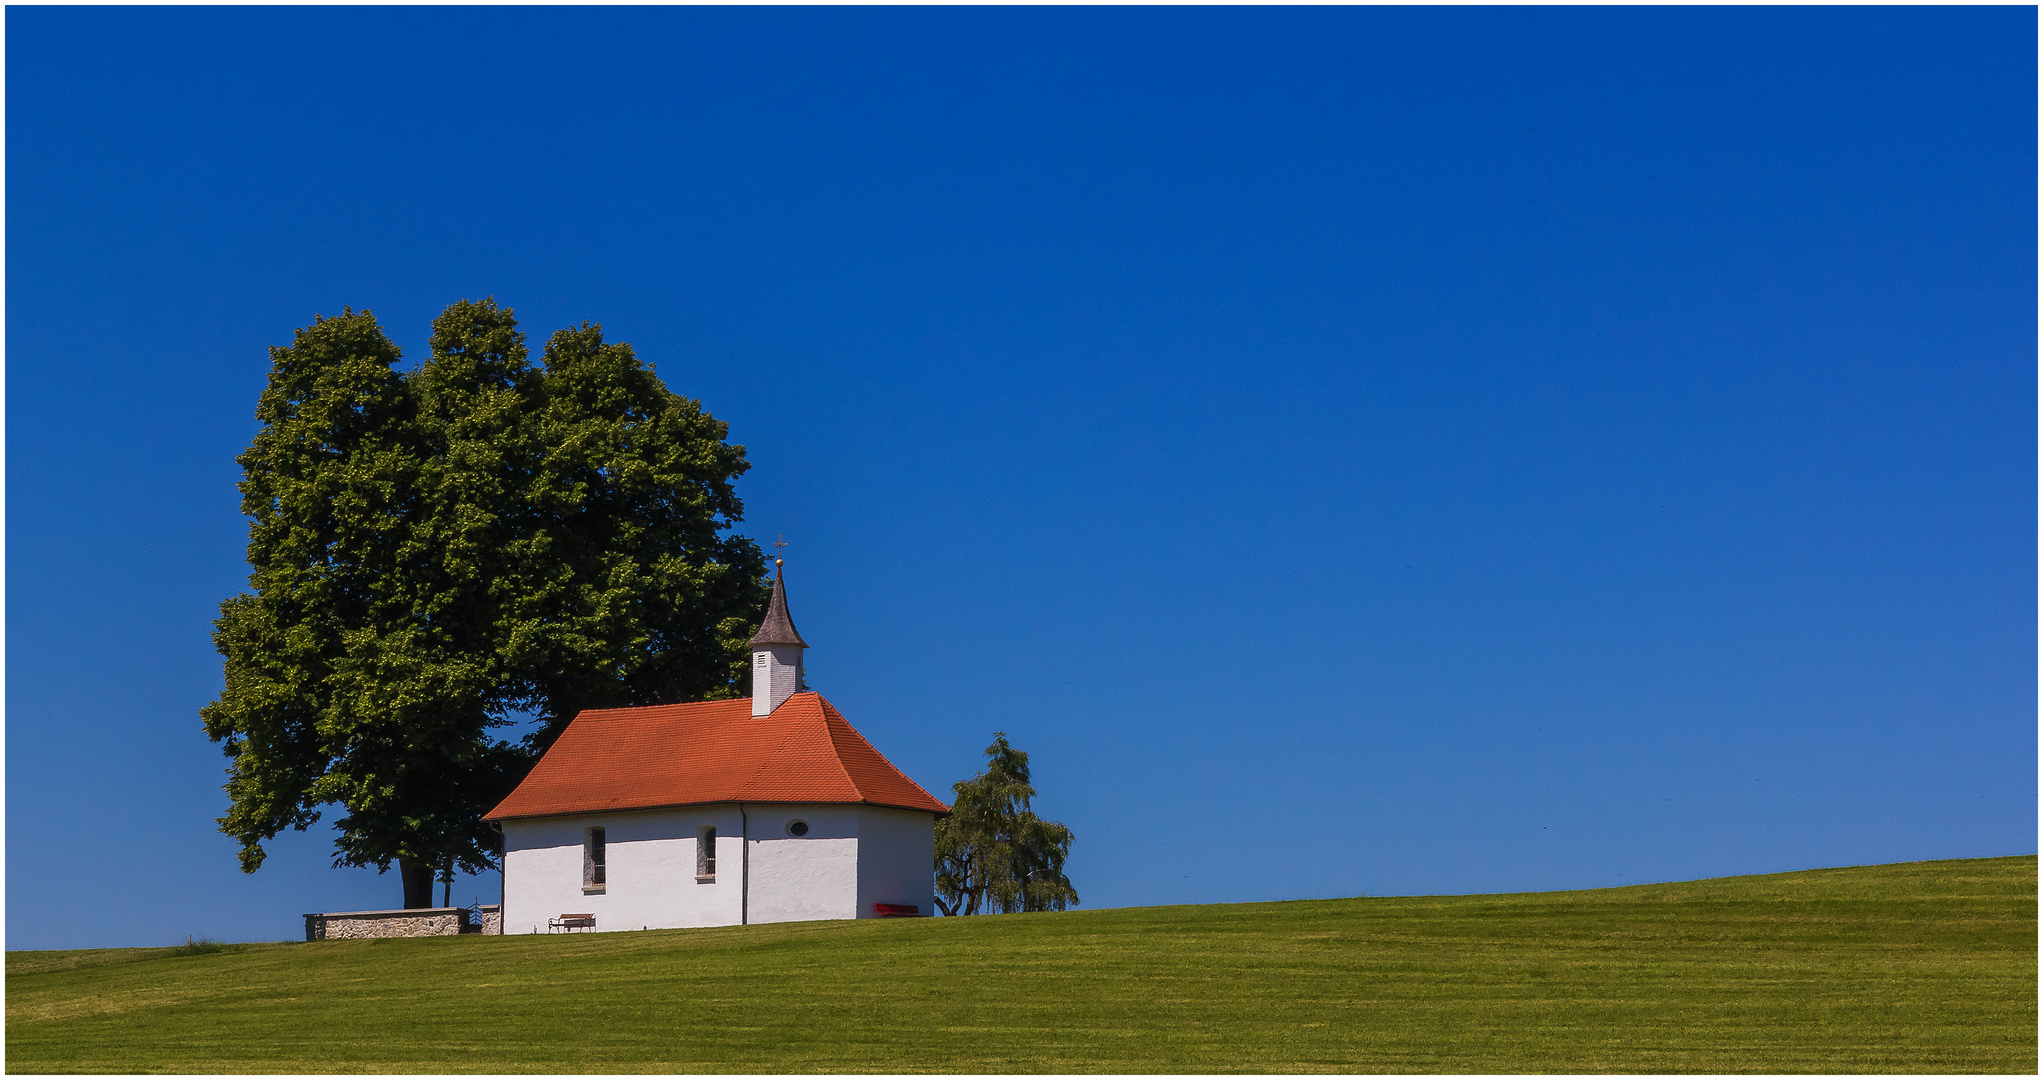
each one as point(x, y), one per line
point(777, 628)
point(776, 652)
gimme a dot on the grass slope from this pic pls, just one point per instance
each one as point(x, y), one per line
point(1917, 967)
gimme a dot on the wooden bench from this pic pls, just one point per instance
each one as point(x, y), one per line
point(897, 911)
point(568, 922)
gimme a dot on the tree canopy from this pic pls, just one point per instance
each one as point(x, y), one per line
point(993, 853)
point(442, 552)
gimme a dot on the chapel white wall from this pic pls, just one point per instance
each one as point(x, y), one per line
point(798, 878)
point(650, 866)
point(897, 859)
point(852, 857)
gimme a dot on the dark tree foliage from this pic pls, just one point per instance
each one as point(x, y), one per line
point(993, 853)
point(441, 552)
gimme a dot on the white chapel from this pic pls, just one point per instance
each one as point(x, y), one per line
point(718, 813)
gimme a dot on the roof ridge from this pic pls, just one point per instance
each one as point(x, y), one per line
point(615, 711)
point(824, 711)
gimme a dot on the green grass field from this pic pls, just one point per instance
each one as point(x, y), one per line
point(1917, 967)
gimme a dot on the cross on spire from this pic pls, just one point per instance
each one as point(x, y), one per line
point(779, 542)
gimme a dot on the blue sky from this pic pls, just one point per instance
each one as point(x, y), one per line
point(1354, 451)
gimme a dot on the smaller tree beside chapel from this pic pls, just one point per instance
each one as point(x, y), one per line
point(993, 853)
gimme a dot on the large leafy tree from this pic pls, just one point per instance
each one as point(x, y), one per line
point(993, 853)
point(439, 553)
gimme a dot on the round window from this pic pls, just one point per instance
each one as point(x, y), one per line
point(798, 827)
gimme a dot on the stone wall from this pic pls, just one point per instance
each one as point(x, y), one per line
point(403, 922)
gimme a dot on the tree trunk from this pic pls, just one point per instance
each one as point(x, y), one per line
point(418, 883)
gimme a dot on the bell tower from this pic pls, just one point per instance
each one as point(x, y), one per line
point(776, 651)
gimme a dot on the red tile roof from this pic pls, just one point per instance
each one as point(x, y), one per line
point(710, 752)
